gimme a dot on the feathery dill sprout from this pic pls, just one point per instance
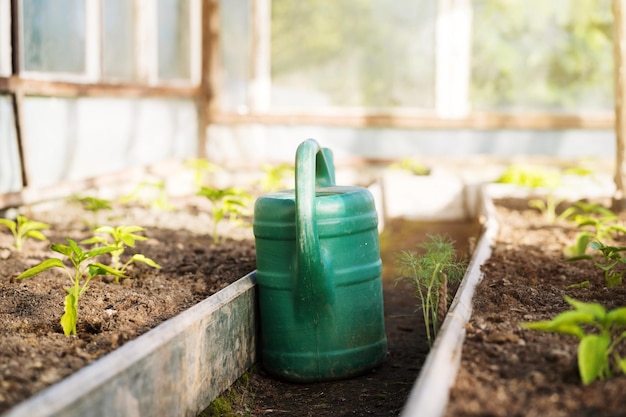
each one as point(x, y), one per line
point(430, 272)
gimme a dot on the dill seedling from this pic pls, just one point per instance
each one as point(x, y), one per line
point(430, 273)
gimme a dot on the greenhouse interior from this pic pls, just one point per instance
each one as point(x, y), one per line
point(314, 207)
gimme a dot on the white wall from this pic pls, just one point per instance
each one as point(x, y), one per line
point(70, 139)
point(10, 174)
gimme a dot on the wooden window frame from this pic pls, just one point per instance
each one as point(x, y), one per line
point(17, 83)
point(452, 108)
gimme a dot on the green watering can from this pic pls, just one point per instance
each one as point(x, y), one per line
point(319, 275)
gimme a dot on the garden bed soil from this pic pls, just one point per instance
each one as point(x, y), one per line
point(509, 371)
point(34, 352)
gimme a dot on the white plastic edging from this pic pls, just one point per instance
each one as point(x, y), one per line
point(175, 369)
point(429, 395)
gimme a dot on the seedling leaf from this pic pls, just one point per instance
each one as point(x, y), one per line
point(74, 247)
point(47, 264)
point(582, 284)
point(593, 309)
point(144, 259)
point(36, 234)
point(97, 268)
point(62, 249)
point(70, 317)
point(617, 316)
point(10, 224)
point(566, 323)
point(101, 251)
point(593, 362)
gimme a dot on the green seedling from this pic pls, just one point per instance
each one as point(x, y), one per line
point(231, 202)
point(605, 228)
point(201, 168)
point(430, 273)
point(583, 209)
point(84, 270)
point(536, 177)
point(579, 171)
point(149, 193)
point(95, 205)
point(22, 229)
point(611, 257)
point(119, 238)
point(582, 284)
point(547, 207)
point(276, 177)
point(605, 224)
point(411, 165)
point(596, 347)
point(531, 177)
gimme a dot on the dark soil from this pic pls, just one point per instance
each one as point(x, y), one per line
point(510, 371)
point(384, 390)
point(34, 352)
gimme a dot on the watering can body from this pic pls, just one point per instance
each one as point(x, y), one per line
point(319, 275)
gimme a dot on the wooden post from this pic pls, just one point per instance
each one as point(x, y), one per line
point(619, 56)
point(208, 96)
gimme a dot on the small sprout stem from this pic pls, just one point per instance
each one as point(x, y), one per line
point(430, 273)
point(84, 269)
point(22, 228)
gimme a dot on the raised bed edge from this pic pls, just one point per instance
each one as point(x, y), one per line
point(175, 369)
point(429, 395)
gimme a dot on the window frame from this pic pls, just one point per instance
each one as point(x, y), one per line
point(452, 105)
point(146, 43)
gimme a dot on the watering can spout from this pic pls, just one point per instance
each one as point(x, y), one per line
point(314, 168)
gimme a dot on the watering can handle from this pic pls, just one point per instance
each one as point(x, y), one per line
point(314, 168)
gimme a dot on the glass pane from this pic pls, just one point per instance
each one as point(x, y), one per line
point(235, 50)
point(174, 48)
point(537, 54)
point(54, 35)
point(118, 52)
point(376, 53)
point(5, 38)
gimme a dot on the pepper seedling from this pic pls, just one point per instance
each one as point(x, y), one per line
point(226, 201)
point(119, 238)
point(595, 348)
point(201, 168)
point(604, 222)
point(95, 205)
point(611, 256)
point(411, 165)
point(536, 177)
point(277, 176)
point(22, 228)
point(84, 271)
point(149, 193)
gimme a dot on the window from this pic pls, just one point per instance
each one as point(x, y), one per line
point(235, 54)
point(5, 38)
point(476, 61)
point(542, 55)
point(54, 35)
point(174, 39)
point(151, 42)
point(382, 56)
point(118, 41)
